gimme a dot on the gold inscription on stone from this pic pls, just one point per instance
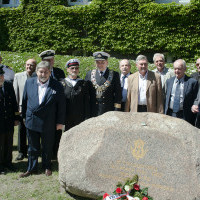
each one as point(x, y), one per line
point(138, 151)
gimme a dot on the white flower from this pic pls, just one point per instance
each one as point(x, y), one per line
point(127, 188)
point(136, 198)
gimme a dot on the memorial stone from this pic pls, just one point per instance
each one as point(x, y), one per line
point(163, 151)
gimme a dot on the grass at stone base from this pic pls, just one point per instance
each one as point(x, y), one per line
point(35, 187)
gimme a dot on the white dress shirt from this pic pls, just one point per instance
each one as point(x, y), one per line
point(42, 88)
point(101, 74)
point(142, 89)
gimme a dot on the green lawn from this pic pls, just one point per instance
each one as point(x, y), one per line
point(35, 187)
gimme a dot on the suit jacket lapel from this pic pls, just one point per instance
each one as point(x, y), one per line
point(35, 91)
point(170, 86)
point(136, 84)
point(185, 86)
point(101, 80)
point(149, 79)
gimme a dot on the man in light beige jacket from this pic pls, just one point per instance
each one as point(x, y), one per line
point(144, 89)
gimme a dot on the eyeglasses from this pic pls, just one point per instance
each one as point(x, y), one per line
point(72, 68)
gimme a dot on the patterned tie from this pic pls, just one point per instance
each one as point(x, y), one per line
point(123, 81)
point(176, 106)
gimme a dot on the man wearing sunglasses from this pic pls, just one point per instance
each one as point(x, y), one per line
point(76, 96)
point(196, 75)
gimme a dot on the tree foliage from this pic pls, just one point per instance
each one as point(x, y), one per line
point(123, 27)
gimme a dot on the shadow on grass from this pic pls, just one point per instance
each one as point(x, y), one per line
point(21, 166)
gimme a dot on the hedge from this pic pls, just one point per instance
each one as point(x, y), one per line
point(120, 27)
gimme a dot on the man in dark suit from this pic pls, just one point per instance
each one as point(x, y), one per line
point(76, 96)
point(196, 108)
point(125, 68)
point(9, 73)
point(8, 118)
point(19, 82)
point(58, 74)
point(104, 86)
point(181, 92)
point(196, 75)
point(43, 108)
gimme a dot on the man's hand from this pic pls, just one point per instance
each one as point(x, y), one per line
point(59, 126)
point(195, 109)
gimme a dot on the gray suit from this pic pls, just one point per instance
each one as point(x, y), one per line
point(18, 84)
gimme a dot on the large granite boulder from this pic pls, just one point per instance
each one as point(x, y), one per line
point(163, 151)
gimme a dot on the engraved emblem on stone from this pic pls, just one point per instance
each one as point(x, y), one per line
point(138, 151)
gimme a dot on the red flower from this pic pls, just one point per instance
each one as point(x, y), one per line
point(118, 190)
point(136, 187)
point(145, 198)
point(105, 195)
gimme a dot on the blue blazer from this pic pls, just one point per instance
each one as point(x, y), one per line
point(50, 112)
point(189, 95)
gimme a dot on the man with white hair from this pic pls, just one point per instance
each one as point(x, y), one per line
point(43, 108)
point(181, 91)
point(164, 72)
point(144, 89)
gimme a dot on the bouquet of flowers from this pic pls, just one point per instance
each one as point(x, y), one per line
point(130, 191)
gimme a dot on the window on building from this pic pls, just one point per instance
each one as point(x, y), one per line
point(9, 3)
point(176, 1)
point(78, 2)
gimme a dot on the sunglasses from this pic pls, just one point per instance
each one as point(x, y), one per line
point(72, 68)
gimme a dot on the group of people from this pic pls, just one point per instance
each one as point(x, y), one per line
point(42, 102)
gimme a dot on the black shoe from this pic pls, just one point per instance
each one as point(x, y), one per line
point(10, 167)
point(20, 156)
point(2, 171)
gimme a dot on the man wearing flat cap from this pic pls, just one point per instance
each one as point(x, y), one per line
point(105, 87)
point(9, 117)
point(76, 96)
point(57, 74)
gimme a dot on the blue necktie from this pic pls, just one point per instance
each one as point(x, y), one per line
point(176, 106)
point(123, 81)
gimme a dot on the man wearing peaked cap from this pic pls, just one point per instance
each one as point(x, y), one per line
point(100, 55)
point(57, 74)
point(8, 119)
point(104, 86)
point(76, 96)
point(9, 73)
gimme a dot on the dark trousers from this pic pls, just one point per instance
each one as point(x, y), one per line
point(142, 108)
point(22, 146)
point(123, 106)
point(58, 135)
point(6, 147)
point(47, 141)
point(179, 114)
